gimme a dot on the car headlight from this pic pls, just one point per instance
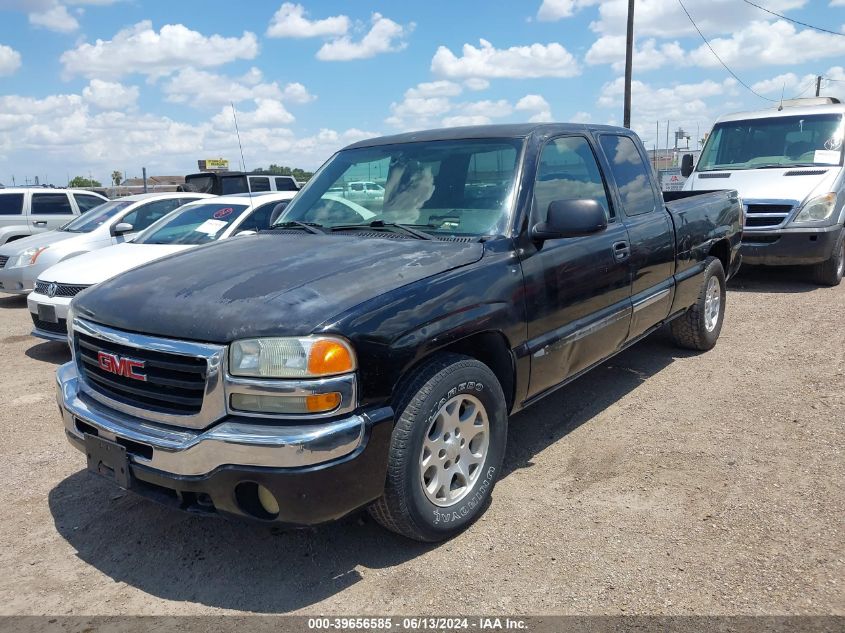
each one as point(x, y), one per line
point(818, 209)
point(305, 357)
point(28, 257)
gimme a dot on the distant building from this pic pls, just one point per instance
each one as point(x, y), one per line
point(152, 181)
point(155, 184)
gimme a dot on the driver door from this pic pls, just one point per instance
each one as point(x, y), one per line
point(578, 290)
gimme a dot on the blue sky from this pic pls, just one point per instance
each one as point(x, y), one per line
point(98, 85)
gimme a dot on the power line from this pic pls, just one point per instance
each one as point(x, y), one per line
point(809, 26)
point(716, 55)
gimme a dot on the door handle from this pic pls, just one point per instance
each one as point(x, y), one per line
point(40, 223)
point(621, 251)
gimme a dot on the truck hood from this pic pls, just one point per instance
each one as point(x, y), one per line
point(36, 241)
point(770, 184)
point(97, 266)
point(265, 285)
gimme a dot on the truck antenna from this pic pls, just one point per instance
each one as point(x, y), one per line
point(241, 147)
point(782, 90)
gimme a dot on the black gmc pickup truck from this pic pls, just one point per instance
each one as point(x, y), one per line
point(369, 356)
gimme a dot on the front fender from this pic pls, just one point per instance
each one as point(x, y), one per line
point(9, 233)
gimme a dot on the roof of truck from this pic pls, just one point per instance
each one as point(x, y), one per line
point(770, 113)
point(508, 130)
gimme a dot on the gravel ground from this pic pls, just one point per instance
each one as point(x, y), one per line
point(661, 483)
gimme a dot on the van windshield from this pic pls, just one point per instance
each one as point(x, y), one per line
point(96, 217)
point(456, 188)
point(788, 141)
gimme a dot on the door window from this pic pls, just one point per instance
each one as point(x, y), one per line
point(630, 172)
point(569, 171)
point(259, 184)
point(145, 215)
point(11, 203)
point(285, 184)
point(51, 204)
point(86, 203)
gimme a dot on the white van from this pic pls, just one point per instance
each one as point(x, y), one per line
point(787, 165)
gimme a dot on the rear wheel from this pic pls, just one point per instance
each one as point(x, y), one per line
point(446, 451)
point(830, 272)
point(700, 326)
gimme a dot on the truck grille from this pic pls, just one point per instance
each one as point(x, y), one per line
point(766, 215)
point(62, 290)
point(46, 326)
point(175, 384)
point(3, 260)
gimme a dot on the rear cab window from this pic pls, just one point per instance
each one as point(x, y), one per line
point(51, 204)
point(11, 203)
point(633, 178)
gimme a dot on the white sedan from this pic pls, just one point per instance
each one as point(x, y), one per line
point(196, 223)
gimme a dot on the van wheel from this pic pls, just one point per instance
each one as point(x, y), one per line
point(700, 326)
point(830, 272)
point(446, 451)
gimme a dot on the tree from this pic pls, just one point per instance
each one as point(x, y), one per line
point(116, 178)
point(277, 170)
point(79, 181)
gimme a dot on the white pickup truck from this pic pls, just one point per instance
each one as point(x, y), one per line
point(787, 165)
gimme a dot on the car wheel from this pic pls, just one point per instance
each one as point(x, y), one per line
point(446, 451)
point(830, 272)
point(699, 327)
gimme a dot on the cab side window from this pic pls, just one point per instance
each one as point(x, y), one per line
point(51, 204)
point(630, 172)
point(259, 183)
point(569, 171)
point(86, 203)
point(11, 203)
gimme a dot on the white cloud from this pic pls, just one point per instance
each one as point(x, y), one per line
point(55, 18)
point(202, 88)
point(267, 113)
point(517, 62)
point(770, 43)
point(476, 83)
point(108, 95)
point(140, 49)
point(610, 49)
point(460, 120)
point(291, 21)
point(442, 88)
point(792, 85)
point(10, 60)
point(552, 10)
point(581, 117)
point(384, 36)
point(532, 102)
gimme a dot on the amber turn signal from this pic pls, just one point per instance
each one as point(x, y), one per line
point(320, 403)
point(329, 357)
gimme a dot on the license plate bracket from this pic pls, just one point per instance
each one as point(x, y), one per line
point(47, 313)
point(108, 459)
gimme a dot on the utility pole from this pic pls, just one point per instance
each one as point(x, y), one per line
point(629, 58)
point(818, 85)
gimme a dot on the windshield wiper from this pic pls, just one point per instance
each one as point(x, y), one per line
point(379, 224)
point(311, 227)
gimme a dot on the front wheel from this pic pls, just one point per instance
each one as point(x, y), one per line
point(446, 451)
point(700, 326)
point(830, 272)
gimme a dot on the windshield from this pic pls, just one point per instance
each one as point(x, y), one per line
point(193, 224)
point(787, 141)
point(455, 188)
point(96, 217)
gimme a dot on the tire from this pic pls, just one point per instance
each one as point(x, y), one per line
point(829, 273)
point(424, 498)
point(699, 328)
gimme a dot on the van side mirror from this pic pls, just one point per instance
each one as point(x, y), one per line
point(122, 228)
point(571, 218)
point(686, 165)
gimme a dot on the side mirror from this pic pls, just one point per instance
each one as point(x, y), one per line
point(571, 218)
point(246, 232)
point(686, 165)
point(122, 228)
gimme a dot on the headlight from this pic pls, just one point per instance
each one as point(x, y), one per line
point(306, 357)
point(817, 209)
point(28, 257)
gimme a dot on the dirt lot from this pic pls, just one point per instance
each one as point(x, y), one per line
point(662, 483)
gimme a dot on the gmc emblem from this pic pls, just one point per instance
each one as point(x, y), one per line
point(125, 367)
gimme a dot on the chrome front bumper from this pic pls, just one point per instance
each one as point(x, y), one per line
point(188, 452)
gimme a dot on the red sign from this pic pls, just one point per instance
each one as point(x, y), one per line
point(222, 213)
point(125, 367)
